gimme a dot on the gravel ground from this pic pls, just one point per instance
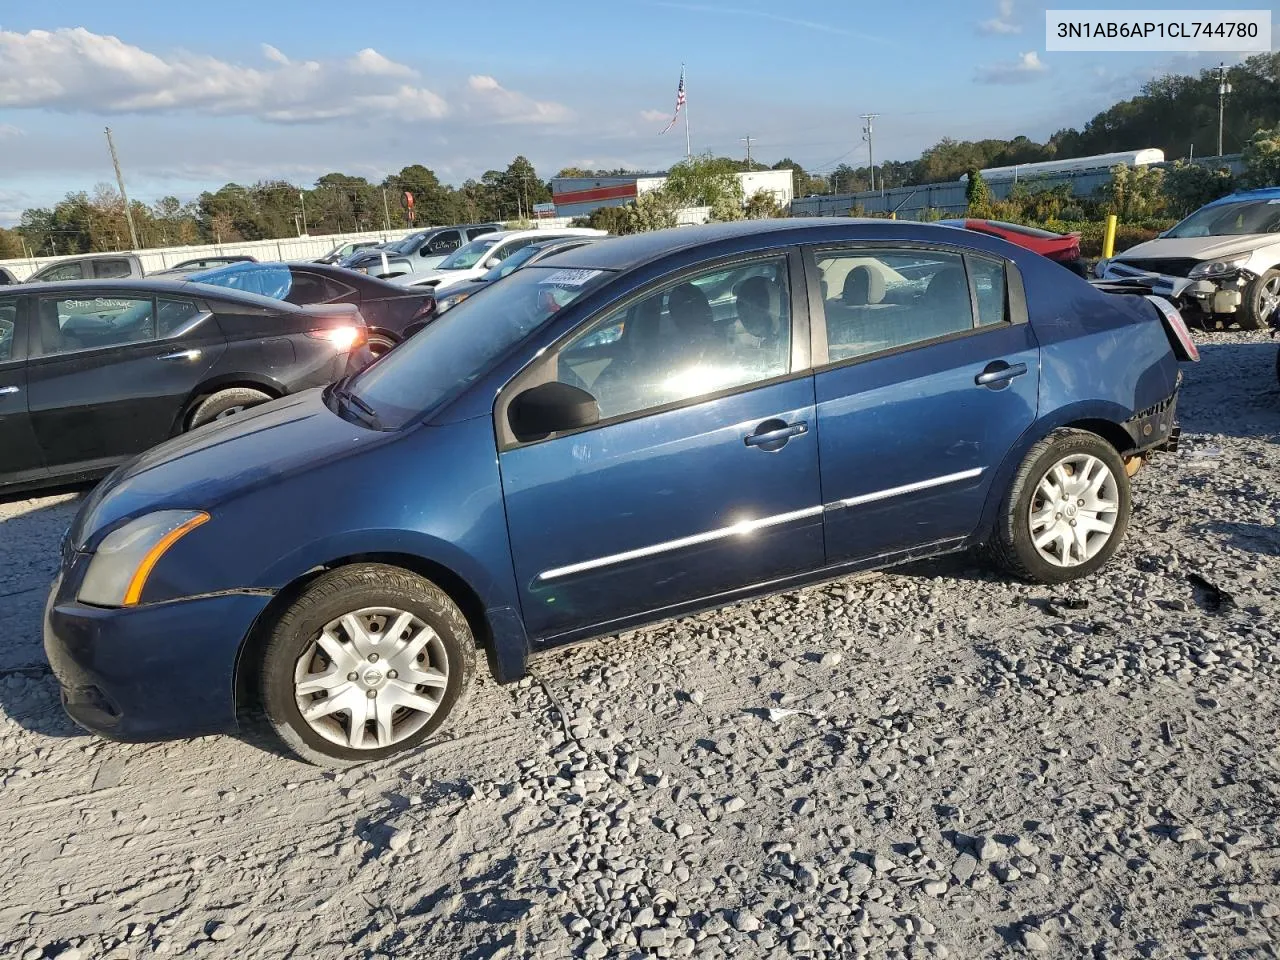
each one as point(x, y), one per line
point(934, 762)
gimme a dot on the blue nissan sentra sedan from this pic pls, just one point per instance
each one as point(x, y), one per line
point(619, 434)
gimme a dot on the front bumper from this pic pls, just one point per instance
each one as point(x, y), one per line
point(1156, 428)
point(1222, 294)
point(154, 672)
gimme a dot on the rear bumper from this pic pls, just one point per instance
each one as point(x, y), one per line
point(155, 672)
point(1156, 428)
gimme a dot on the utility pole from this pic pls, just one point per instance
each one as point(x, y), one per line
point(386, 211)
point(867, 135)
point(747, 141)
point(128, 213)
point(1223, 89)
point(302, 198)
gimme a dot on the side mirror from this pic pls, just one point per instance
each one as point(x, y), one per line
point(492, 262)
point(550, 408)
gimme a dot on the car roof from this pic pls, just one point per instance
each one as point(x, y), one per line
point(634, 250)
point(177, 287)
point(1262, 193)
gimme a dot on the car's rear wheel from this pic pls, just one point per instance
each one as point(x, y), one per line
point(224, 404)
point(1066, 511)
point(380, 342)
point(1260, 301)
point(368, 662)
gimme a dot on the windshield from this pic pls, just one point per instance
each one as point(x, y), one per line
point(513, 262)
point(463, 343)
point(268, 280)
point(469, 254)
point(1231, 219)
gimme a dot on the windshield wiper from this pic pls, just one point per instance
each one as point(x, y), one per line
point(346, 400)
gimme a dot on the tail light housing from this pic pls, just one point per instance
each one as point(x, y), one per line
point(426, 310)
point(346, 337)
point(1184, 347)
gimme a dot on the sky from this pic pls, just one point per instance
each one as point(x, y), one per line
point(241, 90)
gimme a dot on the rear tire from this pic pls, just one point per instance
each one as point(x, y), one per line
point(380, 343)
point(226, 403)
point(1260, 300)
point(388, 649)
point(1071, 496)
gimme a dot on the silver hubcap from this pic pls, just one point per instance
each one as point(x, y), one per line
point(1269, 298)
point(372, 678)
point(1074, 510)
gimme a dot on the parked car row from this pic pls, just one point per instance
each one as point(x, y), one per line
point(611, 434)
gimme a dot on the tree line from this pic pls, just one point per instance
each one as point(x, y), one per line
point(1175, 113)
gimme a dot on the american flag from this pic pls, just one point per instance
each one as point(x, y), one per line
point(679, 102)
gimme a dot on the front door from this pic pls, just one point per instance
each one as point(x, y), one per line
point(111, 372)
point(20, 458)
point(932, 375)
point(701, 477)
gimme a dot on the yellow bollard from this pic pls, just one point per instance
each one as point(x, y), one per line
point(1109, 238)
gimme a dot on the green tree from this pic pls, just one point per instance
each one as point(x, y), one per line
point(655, 210)
point(1262, 159)
point(762, 205)
point(10, 244)
point(616, 220)
point(1134, 192)
point(976, 194)
point(1189, 186)
point(703, 180)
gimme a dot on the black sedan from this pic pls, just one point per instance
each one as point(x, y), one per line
point(392, 312)
point(93, 373)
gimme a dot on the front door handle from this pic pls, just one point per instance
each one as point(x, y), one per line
point(181, 355)
point(774, 434)
point(998, 373)
point(9, 391)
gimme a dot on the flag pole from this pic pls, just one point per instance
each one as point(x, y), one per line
point(688, 147)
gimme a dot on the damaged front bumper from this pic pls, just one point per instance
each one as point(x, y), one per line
point(1220, 294)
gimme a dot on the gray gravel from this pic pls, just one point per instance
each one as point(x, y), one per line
point(930, 763)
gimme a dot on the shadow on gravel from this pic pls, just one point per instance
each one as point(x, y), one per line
point(1251, 537)
point(28, 563)
point(1232, 391)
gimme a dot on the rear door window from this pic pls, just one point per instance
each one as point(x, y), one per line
point(110, 269)
point(68, 324)
point(445, 242)
point(473, 232)
point(172, 315)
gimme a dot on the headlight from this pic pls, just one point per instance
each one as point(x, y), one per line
point(125, 558)
point(452, 300)
point(1216, 268)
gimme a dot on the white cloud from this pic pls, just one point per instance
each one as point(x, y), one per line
point(1025, 69)
point(488, 96)
point(8, 131)
point(1002, 24)
point(273, 54)
point(78, 71)
point(655, 116)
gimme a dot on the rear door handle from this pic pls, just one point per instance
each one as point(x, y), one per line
point(181, 355)
point(998, 373)
point(9, 391)
point(774, 434)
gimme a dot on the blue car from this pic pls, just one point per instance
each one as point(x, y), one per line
point(619, 434)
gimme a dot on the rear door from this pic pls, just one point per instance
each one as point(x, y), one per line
point(20, 457)
point(930, 376)
point(111, 372)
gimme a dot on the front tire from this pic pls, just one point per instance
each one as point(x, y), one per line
point(1066, 511)
point(367, 663)
point(1260, 301)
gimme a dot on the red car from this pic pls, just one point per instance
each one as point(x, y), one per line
point(1064, 248)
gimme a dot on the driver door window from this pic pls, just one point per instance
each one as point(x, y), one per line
point(68, 324)
point(707, 333)
point(443, 243)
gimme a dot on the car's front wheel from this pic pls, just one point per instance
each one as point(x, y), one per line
point(1066, 511)
point(369, 661)
point(1261, 299)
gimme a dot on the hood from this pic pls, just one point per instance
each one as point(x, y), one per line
point(207, 466)
point(1198, 248)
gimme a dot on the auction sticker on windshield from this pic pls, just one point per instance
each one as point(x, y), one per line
point(570, 278)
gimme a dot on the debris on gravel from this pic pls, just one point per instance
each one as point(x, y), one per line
point(935, 762)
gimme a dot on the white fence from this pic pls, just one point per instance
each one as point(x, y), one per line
point(290, 248)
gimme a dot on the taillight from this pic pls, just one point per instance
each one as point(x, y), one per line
point(344, 338)
point(1176, 328)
